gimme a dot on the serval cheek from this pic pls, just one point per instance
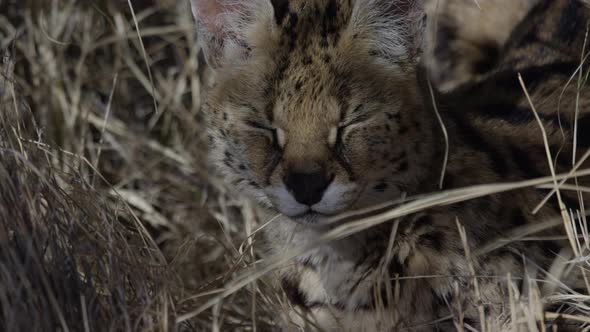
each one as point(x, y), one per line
point(337, 198)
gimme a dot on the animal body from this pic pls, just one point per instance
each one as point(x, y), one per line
point(321, 107)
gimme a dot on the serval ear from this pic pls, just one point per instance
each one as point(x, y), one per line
point(227, 29)
point(464, 39)
point(393, 29)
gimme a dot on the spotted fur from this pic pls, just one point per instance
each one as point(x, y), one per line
point(333, 87)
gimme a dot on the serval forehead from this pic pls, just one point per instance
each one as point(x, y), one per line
point(337, 11)
point(314, 109)
point(309, 89)
point(302, 20)
point(314, 88)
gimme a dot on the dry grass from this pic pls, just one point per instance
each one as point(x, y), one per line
point(109, 218)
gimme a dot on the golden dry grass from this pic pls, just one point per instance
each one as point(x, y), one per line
point(109, 217)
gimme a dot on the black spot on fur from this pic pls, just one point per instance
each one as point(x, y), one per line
point(395, 268)
point(517, 218)
point(469, 321)
point(257, 125)
point(451, 181)
point(223, 133)
point(290, 30)
point(490, 57)
point(584, 131)
point(423, 221)
point(432, 240)
point(332, 10)
point(281, 9)
point(442, 300)
point(525, 164)
point(228, 163)
point(571, 21)
point(392, 116)
point(308, 263)
point(330, 23)
point(381, 187)
point(550, 248)
point(403, 166)
point(294, 294)
point(358, 108)
point(73, 51)
point(338, 305)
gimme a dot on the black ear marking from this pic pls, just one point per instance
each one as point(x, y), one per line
point(490, 56)
point(281, 8)
point(445, 36)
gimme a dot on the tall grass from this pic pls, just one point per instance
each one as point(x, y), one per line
point(109, 219)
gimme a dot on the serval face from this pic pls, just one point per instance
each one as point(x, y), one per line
point(314, 109)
